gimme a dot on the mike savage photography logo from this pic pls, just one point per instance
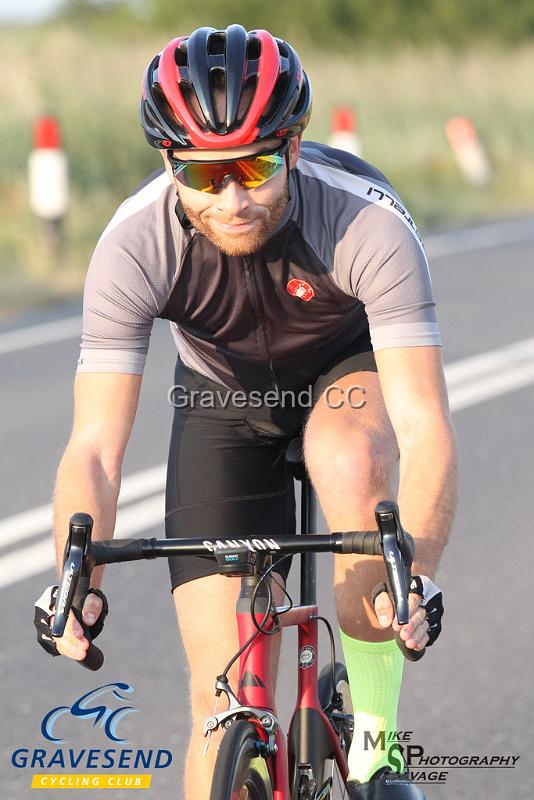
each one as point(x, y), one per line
point(430, 768)
point(105, 710)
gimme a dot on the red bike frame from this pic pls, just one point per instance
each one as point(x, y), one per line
point(256, 689)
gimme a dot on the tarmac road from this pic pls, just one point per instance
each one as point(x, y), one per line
point(471, 694)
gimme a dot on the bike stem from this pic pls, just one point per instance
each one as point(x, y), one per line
point(308, 525)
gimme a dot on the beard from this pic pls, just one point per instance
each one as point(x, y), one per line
point(246, 243)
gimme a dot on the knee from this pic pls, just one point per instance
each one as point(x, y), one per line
point(203, 692)
point(202, 699)
point(350, 457)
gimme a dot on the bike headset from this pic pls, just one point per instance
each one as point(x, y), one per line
point(222, 89)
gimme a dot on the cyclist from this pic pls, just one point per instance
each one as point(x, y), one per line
point(281, 265)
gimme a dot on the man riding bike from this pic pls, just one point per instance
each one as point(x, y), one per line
point(283, 266)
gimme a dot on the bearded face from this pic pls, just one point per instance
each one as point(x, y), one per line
point(236, 220)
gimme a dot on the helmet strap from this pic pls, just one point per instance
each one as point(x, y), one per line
point(180, 213)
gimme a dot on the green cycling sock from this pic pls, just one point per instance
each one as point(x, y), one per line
point(375, 676)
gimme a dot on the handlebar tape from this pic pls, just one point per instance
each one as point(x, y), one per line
point(118, 550)
point(365, 543)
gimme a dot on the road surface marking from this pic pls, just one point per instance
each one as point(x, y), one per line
point(39, 557)
point(36, 335)
point(492, 386)
point(467, 370)
point(39, 520)
point(497, 234)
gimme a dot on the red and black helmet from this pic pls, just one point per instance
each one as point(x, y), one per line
point(224, 89)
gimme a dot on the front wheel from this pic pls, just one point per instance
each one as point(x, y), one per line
point(335, 699)
point(336, 702)
point(241, 772)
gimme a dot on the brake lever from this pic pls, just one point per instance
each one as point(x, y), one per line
point(396, 552)
point(76, 563)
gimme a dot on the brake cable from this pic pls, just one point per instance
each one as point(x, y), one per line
point(223, 677)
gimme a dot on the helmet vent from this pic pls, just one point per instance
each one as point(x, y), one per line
point(218, 93)
point(161, 100)
point(192, 103)
point(166, 112)
point(301, 102)
point(278, 94)
point(149, 115)
point(249, 90)
point(216, 44)
point(282, 49)
point(180, 56)
point(253, 49)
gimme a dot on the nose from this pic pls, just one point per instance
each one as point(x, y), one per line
point(232, 198)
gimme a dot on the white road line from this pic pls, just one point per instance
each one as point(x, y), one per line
point(141, 516)
point(39, 557)
point(437, 245)
point(508, 357)
point(497, 234)
point(471, 380)
point(493, 386)
point(38, 520)
point(147, 481)
point(25, 562)
point(26, 524)
point(37, 335)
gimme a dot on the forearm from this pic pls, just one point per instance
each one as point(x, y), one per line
point(428, 490)
point(85, 484)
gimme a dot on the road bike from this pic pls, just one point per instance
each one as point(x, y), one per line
point(255, 761)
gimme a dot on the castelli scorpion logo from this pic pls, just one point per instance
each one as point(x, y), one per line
point(300, 289)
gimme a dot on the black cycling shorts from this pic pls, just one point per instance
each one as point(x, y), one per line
point(227, 475)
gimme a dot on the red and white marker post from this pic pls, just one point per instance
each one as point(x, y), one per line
point(344, 129)
point(469, 151)
point(49, 177)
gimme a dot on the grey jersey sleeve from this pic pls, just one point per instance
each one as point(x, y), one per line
point(128, 281)
point(381, 261)
point(118, 311)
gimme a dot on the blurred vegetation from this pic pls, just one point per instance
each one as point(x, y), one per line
point(344, 24)
point(85, 67)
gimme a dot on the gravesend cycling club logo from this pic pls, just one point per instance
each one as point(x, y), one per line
point(107, 718)
point(300, 289)
point(103, 709)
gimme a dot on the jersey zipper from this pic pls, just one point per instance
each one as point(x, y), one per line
point(260, 324)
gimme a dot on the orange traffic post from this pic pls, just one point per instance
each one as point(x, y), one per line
point(469, 151)
point(344, 131)
point(48, 177)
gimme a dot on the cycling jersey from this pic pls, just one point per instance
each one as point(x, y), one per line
point(345, 258)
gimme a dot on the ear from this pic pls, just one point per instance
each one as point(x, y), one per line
point(294, 150)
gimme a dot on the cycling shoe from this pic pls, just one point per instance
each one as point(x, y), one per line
point(385, 785)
